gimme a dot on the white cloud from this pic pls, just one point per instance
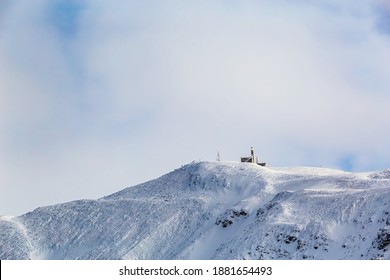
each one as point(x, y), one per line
point(143, 87)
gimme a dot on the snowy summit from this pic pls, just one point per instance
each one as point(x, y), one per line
point(216, 210)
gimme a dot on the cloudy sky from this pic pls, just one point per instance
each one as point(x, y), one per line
point(96, 96)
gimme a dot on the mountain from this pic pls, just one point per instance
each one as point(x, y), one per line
point(216, 210)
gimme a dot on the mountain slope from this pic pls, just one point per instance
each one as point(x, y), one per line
point(214, 210)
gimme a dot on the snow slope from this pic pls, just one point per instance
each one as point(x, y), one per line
point(216, 210)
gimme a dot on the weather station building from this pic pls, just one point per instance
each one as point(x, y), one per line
point(252, 159)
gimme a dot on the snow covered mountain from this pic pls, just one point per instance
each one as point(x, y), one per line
point(216, 210)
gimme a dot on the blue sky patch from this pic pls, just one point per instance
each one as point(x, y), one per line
point(347, 163)
point(64, 15)
point(383, 19)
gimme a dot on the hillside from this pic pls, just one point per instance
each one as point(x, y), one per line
point(216, 210)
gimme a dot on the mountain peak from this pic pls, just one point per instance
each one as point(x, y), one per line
point(216, 210)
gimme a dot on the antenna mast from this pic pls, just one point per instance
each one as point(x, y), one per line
point(218, 156)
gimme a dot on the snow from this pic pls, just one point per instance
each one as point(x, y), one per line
point(216, 210)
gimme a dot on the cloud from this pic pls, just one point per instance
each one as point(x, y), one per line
point(97, 96)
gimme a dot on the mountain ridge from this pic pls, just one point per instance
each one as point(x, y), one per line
point(216, 210)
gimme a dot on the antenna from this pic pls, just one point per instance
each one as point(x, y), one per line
point(218, 156)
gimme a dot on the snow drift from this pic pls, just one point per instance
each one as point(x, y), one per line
point(216, 210)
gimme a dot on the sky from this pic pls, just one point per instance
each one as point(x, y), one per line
point(96, 96)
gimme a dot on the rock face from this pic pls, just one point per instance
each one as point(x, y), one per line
point(215, 210)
